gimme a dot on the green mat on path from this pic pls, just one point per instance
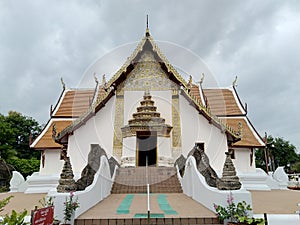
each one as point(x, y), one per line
point(152, 215)
point(125, 204)
point(164, 205)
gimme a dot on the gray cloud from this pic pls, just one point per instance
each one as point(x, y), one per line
point(40, 41)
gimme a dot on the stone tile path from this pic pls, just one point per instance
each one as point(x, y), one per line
point(276, 201)
point(170, 205)
point(21, 201)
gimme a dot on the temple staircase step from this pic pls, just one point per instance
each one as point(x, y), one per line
point(133, 180)
point(153, 221)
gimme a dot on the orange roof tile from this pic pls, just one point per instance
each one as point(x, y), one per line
point(249, 137)
point(195, 91)
point(46, 141)
point(74, 103)
point(101, 93)
point(222, 102)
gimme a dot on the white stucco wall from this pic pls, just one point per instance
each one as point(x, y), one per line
point(129, 147)
point(195, 186)
point(195, 128)
point(98, 130)
point(242, 160)
point(164, 147)
point(51, 156)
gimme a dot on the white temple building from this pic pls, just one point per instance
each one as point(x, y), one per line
point(148, 110)
point(147, 114)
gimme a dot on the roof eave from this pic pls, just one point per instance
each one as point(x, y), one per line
point(241, 106)
point(62, 137)
point(247, 146)
point(46, 148)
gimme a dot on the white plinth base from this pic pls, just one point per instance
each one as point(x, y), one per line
point(259, 180)
point(41, 183)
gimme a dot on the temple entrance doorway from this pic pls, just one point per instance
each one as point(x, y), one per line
point(146, 148)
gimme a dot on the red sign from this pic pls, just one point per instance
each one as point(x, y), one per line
point(43, 216)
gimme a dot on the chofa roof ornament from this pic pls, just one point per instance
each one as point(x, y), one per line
point(234, 82)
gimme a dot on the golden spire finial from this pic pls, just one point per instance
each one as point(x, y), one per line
point(147, 22)
point(234, 82)
point(147, 27)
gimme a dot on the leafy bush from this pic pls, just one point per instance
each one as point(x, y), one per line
point(70, 207)
point(25, 166)
point(296, 167)
point(4, 202)
point(15, 218)
point(236, 213)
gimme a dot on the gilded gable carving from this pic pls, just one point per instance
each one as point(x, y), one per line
point(147, 75)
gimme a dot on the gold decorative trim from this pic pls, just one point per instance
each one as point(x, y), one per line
point(162, 130)
point(147, 75)
point(118, 123)
point(176, 122)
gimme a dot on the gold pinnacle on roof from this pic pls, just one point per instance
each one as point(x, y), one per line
point(147, 28)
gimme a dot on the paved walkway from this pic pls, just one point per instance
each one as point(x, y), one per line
point(276, 201)
point(272, 202)
point(21, 201)
point(135, 206)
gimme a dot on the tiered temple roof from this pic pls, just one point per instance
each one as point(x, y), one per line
point(71, 104)
point(222, 107)
point(227, 106)
point(45, 140)
point(222, 102)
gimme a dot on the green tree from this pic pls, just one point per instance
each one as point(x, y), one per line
point(25, 166)
point(296, 167)
point(16, 130)
point(279, 153)
point(6, 138)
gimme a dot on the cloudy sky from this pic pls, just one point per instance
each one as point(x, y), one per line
point(259, 41)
